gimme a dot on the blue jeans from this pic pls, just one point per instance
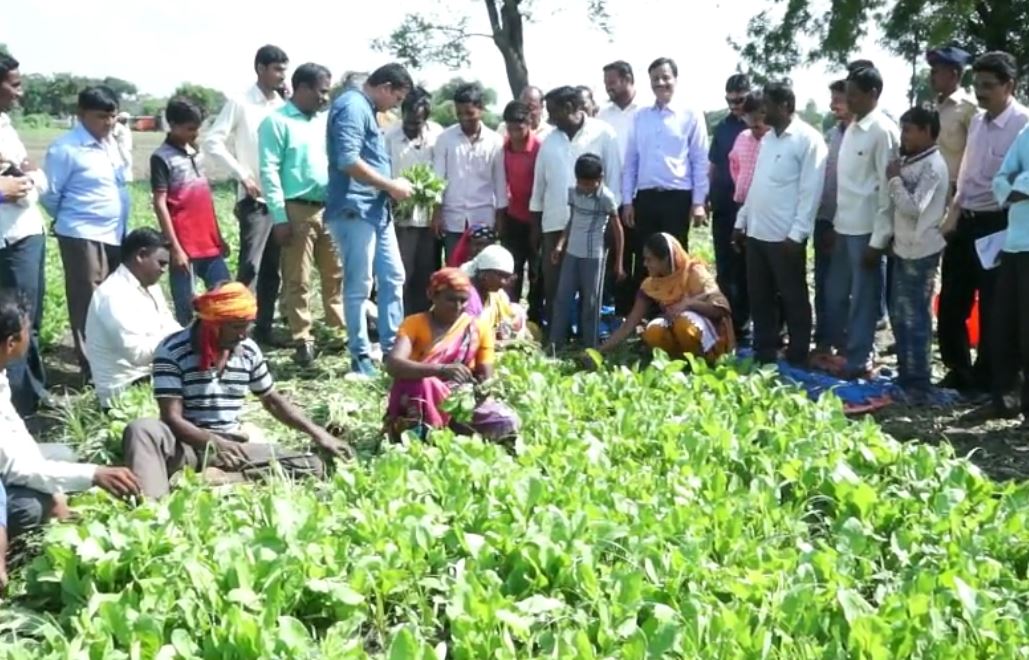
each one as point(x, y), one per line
point(854, 301)
point(21, 269)
point(822, 260)
point(584, 276)
point(911, 319)
point(212, 270)
point(368, 250)
point(25, 509)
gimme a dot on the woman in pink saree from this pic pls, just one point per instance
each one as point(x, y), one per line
point(435, 352)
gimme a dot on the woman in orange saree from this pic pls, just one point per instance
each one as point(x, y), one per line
point(687, 311)
point(436, 351)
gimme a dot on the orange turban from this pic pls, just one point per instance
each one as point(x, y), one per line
point(228, 303)
point(449, 278)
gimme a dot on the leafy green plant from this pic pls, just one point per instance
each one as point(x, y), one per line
point(428, 188)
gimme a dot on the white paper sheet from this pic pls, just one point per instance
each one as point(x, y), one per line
point(988, 248)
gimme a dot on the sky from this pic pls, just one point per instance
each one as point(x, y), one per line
point(159, 45)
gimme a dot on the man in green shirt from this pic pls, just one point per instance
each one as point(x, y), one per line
point(294, 175)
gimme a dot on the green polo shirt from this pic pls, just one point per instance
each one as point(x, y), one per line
point(293, 161)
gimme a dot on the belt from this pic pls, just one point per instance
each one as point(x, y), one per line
point(982, 214)
point(306, 202)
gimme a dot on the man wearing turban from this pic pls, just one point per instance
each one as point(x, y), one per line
point(201, 377)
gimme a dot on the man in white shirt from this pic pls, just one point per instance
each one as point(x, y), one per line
point(777, 219)
point(232, 142)
point(128, 316)
point(620, 84)
point(469, 156)
point(863, 225)
point(22, 240)
point(33, 483)
point(413, 142)
point(122, 136)
point(574, 134)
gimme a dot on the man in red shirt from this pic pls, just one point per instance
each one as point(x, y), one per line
point(518, 233)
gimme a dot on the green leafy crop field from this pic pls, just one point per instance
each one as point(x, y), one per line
point(643, 513)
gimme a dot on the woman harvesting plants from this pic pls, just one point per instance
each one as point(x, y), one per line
point(688, 312)
point(437, 351)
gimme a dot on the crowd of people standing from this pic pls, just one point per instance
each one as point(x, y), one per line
point(586, 207)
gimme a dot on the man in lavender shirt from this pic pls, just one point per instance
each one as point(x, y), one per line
point(664, 176)
point(974, 214)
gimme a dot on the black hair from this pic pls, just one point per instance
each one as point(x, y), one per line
point(392, 74)
point(754, 101)
point(589, 167)
point(144, 239)
point(867, 79)
point(565, 94)
point(737, 82)
point(661, 61)
point(622, 68)
point(923, 118)
point(658, 246)
point(310, 74)
point(469, 93)
point(269, 54)
point(417, 99)
point(7, 64)
point(780, 93)
point(99, 97)
point(14, 313)
point(516, 112)
point(182, 110)
point(999, 63)
point(838, 86)
point(860, 64)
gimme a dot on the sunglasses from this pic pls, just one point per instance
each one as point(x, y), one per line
point(735, 100)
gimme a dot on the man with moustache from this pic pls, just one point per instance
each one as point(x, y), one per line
point(955, 106)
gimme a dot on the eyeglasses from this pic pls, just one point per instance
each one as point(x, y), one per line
point(735, 100)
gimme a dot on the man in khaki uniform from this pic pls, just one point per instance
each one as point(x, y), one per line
point(955, 105)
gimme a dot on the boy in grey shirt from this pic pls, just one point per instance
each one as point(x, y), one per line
point(593, 212)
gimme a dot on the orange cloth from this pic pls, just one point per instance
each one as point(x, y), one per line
point(228, 303)
point(418, 330)
point(449, 278)
point(673, 287)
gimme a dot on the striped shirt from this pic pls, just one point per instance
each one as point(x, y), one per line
point(742, 161)
point(588, 221)
point(210, 400)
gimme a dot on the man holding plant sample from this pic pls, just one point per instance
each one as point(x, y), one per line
point(294, 172)
point(412, 142)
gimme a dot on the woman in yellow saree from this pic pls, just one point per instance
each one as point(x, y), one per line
point(687, 311)
point(436, 351)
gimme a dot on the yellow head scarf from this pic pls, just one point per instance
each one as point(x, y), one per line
point(673, 287)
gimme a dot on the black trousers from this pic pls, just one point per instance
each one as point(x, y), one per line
point(776, 272)
point(731, 267)
point(658, 211)
point(258, 265)
point(1011, 326)
point(963, 276)
point(516, 240)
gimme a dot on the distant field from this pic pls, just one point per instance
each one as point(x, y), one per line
point(143, 144)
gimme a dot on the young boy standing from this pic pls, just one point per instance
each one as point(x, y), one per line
point(185, 209)
point(919, 183)
point(593, 212)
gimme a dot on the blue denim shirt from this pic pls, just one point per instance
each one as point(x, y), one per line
point(353, 134)
point(722, 186)
point(86, 193)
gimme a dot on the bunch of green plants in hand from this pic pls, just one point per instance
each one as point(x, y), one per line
point(428, 189)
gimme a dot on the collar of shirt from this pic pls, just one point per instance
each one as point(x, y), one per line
point(869, 120)
point(5, 120)
point(256, 96)
point(613, 108)
point(530, 145)
point(291, 110)
point(1002, 119)
point(187, 149)
point(86, 139)
point(957, 98)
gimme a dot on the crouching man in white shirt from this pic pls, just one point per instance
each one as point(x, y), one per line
point(35, 485)
point(128, 316)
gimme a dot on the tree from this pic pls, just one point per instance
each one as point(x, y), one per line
point(210, 100)
point(908, 27)
point(125, 90)
point(442, 37)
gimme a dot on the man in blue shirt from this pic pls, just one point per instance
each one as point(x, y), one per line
point(730, 265)
point(87, 197)
point(358, 208)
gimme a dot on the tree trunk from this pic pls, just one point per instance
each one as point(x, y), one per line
point(509, 40)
